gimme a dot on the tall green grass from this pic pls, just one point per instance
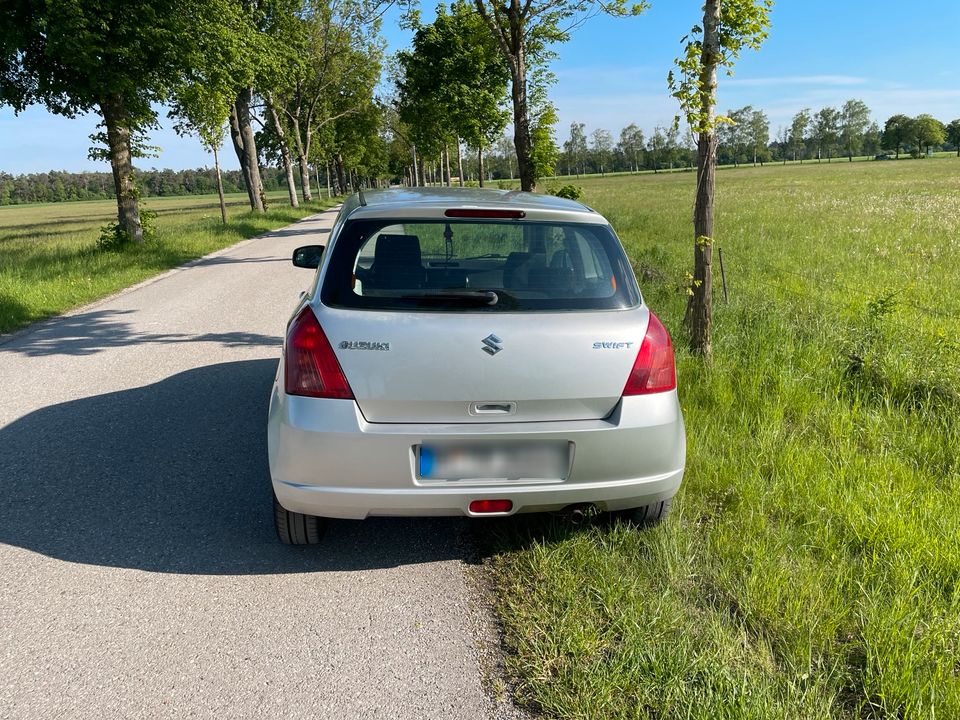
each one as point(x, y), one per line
point(50, 262)
point(811, 567)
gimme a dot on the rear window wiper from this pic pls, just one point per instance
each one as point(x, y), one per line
point(457, 297)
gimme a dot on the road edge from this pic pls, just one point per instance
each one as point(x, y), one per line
point(7, 338)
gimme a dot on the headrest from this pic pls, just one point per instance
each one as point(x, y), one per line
point(397, 249)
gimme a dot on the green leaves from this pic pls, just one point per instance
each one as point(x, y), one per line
point(740, 24)
point(453, 81)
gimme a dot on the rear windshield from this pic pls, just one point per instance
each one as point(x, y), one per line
point(486, 266)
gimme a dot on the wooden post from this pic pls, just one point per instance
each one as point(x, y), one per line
point(723, 277)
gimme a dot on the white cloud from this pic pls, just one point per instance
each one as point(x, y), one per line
point(788, 80)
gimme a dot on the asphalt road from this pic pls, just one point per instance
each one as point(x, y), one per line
point(139, 571)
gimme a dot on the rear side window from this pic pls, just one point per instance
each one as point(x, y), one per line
point(478, 265)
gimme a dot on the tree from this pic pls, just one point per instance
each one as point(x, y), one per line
point(203, 111)
point(826, 131)
point(118, 58)
point(453, 83)
point(798, 132)
point(854, 121)
point(522, 31)
point(927, 132)
point(602, 145)
point(759, 129)
point(896, 131)
point(657, 147)
point(576, 146)
point(871, 139)
point(952, 133)
point(631, 144)
point(341, 57)
point(726, 30)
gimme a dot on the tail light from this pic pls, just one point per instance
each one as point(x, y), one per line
point(311, 368)
point(654, 370)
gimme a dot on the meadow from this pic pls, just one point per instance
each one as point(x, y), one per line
point(50, 262)
point(811, 565)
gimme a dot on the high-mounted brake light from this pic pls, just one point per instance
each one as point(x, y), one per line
point(654, 369)
point(477, 213)
point(311, 368)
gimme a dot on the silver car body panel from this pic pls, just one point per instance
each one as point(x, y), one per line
point(552, 376)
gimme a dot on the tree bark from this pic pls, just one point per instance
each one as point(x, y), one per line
point(700, 304)
point(521, 123)
point(246, 146)
point(341, 175)
point(223, 204)
point(329, 188)
point(446, 160)
point(121, 163)
point(460, 162)
point(480, 165)
point(303, 152)
point(284, 150)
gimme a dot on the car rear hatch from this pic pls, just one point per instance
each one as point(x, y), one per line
point(482, 368)
point(481, 319)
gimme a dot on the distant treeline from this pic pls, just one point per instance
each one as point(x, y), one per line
point(59, 186)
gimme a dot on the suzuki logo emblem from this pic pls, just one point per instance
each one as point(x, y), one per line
point(492, 344)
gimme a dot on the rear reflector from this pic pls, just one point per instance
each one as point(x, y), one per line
point(654, 369)
point(472, 213)
point(491, 506)
point(311, 369)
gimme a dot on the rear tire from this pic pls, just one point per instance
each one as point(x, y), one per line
point(295, 528)
point(647, 515)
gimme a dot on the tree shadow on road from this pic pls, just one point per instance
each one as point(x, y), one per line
point(90, 332)
point(173, 477)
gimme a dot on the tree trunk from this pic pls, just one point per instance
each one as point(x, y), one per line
point(416, 178)
point(521, 122)
point(236, 138)
point(305, 178)
point(700, 304)
point(303, 152)
point(446, 160)
point(223, 204)
point(480, 165)
point(121, 163)
point(460, 162)
point(246, 146)
point(343, 183)
point(423, 171)
point(329, 188)
point(284, 150)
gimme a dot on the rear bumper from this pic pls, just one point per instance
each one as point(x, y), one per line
point(327, 460)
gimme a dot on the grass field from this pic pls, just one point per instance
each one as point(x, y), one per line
point(811, 566)
point(49, 261)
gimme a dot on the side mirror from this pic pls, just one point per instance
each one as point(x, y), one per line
point(308, 256)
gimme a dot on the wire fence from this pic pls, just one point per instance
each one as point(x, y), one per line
point(817, 282)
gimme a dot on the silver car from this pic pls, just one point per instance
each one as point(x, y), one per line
point(471, 352)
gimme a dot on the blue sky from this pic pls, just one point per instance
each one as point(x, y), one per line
point(895, 57)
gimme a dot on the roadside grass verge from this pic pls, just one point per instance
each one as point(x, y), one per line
point(50, 262)
point(811, 566)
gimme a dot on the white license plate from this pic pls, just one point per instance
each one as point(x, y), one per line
point(541, 460)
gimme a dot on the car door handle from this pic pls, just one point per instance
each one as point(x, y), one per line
point(493, 408)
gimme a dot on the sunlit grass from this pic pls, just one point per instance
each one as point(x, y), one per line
point(811, 568)
point(49, 260)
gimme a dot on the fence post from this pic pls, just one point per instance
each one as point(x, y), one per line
point(723, 277)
